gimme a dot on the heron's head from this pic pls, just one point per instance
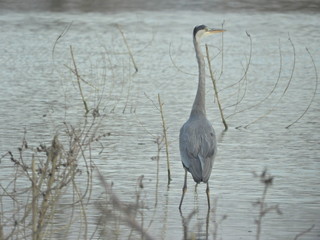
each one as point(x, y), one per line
point(202, 31)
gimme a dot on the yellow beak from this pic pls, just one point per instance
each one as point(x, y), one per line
point(215, 30)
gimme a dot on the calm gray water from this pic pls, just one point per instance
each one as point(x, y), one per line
point(134, 5)
point(38, 93)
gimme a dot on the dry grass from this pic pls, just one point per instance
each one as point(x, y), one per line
point(264, 209)
point(48, 173)
point(164, 128)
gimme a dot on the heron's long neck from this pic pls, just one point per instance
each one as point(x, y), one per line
point(199, 102)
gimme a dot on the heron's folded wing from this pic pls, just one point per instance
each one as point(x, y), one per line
point(189, 156)
point(207, 153)
point(197, 153)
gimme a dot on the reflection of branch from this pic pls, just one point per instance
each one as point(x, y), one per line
point(216, 222)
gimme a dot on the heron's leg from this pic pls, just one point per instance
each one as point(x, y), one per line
point(196, 199)
point(208, 194)
point(184, 189)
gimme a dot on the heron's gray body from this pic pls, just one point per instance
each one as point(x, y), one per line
point(198, 147)
point(197, 140)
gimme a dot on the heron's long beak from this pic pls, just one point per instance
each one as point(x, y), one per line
point(215, 30)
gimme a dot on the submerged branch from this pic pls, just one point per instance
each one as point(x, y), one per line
point(270, 93)
point(129, 51)
point(304, 232)
point(285, 90)
point(246, 69)
point(216, 90)
point(175, 65)
point(314, 92)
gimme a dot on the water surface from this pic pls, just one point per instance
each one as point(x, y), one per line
point(39, 92)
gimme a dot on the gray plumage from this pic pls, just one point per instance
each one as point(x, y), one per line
point(198, 147)
point(197, 140)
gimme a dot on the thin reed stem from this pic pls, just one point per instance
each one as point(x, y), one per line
point(216, 90)
point(129, 51)
point(34, 199)
point(78, 81)
point(164, 128)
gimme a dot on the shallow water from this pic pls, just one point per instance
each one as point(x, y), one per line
point(165, 5)
point(38, 93)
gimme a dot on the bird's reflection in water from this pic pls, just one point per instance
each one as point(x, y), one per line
point(199, 224)
point(196, 232)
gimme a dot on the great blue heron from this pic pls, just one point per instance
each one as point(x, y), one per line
point(197, 140)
